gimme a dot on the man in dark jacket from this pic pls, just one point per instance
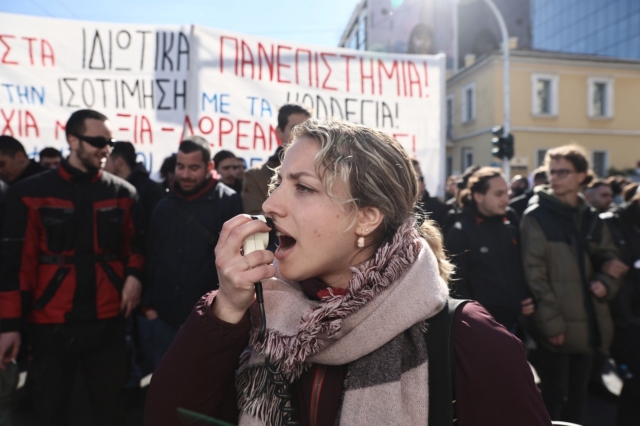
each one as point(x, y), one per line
point(519, 184)
point(50, 157)
point(71, 251)
point(122, 163)
point(14, 163)
point(15, 167)
point(453, 205)
point(600, 195)
point(566, 251)
point(227, 166)
point(181, 239)
point(520, 203)
point(624, 224)
point(483, 245)
point(434, 208)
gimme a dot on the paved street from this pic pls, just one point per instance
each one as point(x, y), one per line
point(601, 411)
point(80, 414)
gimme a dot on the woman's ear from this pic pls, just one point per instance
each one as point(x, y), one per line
point(369, 219)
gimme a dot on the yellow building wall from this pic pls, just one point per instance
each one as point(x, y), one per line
point(484, 81)
point(484, 101)
point(619, 135)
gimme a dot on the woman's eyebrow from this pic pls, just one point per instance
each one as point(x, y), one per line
point(298, 175)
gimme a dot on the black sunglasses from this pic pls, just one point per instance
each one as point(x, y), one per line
point(95, 141)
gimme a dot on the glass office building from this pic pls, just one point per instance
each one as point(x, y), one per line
point(595, 27)
point(591, 27)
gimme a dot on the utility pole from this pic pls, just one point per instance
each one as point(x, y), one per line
point(506, 126)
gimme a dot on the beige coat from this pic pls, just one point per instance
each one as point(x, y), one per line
point(255, 187)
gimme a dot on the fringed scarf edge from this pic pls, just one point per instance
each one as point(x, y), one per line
point(256, 395)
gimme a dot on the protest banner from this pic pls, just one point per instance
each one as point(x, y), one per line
point(241, 81)
point(137, 75)
point(158, 84)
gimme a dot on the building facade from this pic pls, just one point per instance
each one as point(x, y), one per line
point(556, 99)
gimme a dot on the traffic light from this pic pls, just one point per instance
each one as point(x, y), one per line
point(502, 145)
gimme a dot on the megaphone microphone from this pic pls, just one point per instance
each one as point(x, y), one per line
point(260, 241)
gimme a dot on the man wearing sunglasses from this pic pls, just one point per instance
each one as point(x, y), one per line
point(572, 270)
point(71, 249)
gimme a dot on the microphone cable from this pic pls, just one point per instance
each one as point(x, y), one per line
point(275, 377)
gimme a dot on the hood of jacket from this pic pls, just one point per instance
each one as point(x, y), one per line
point(544, 197)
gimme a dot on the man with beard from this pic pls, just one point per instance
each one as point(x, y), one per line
point(71, 251)
point(228, 167)
point(519, 184)
point(600, 195)
point(181, 239)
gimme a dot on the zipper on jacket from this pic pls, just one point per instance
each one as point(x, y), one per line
point(315, 395)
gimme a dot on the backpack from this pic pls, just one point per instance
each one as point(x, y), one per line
point(442, 362)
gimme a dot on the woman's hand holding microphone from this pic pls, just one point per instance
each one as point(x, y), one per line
point(237, 273)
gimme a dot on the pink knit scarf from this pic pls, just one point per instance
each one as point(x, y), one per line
point(379, 316)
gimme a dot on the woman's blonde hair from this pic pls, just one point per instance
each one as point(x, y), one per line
point(376, 172)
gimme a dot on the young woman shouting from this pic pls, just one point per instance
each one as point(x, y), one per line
point(353, 280)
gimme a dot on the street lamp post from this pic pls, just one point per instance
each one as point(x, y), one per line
point(506, 165)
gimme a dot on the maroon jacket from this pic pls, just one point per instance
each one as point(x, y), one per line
point(494, 384)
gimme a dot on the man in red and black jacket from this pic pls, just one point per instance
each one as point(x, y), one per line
point(71, 248)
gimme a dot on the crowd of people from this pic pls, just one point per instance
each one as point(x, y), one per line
point(555, 260)
point(101, 266)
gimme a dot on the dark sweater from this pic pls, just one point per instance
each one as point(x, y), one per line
point(493, 382)
point(150, 193)
point(434, 208)
point(181, 253)
point(486, 253)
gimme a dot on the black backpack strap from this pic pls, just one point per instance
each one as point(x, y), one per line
point(442, 361)
point(191, 220)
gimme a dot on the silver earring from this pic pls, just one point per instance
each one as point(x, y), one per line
point(361, 242)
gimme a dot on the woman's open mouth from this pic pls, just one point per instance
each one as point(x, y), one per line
point(286, 242)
